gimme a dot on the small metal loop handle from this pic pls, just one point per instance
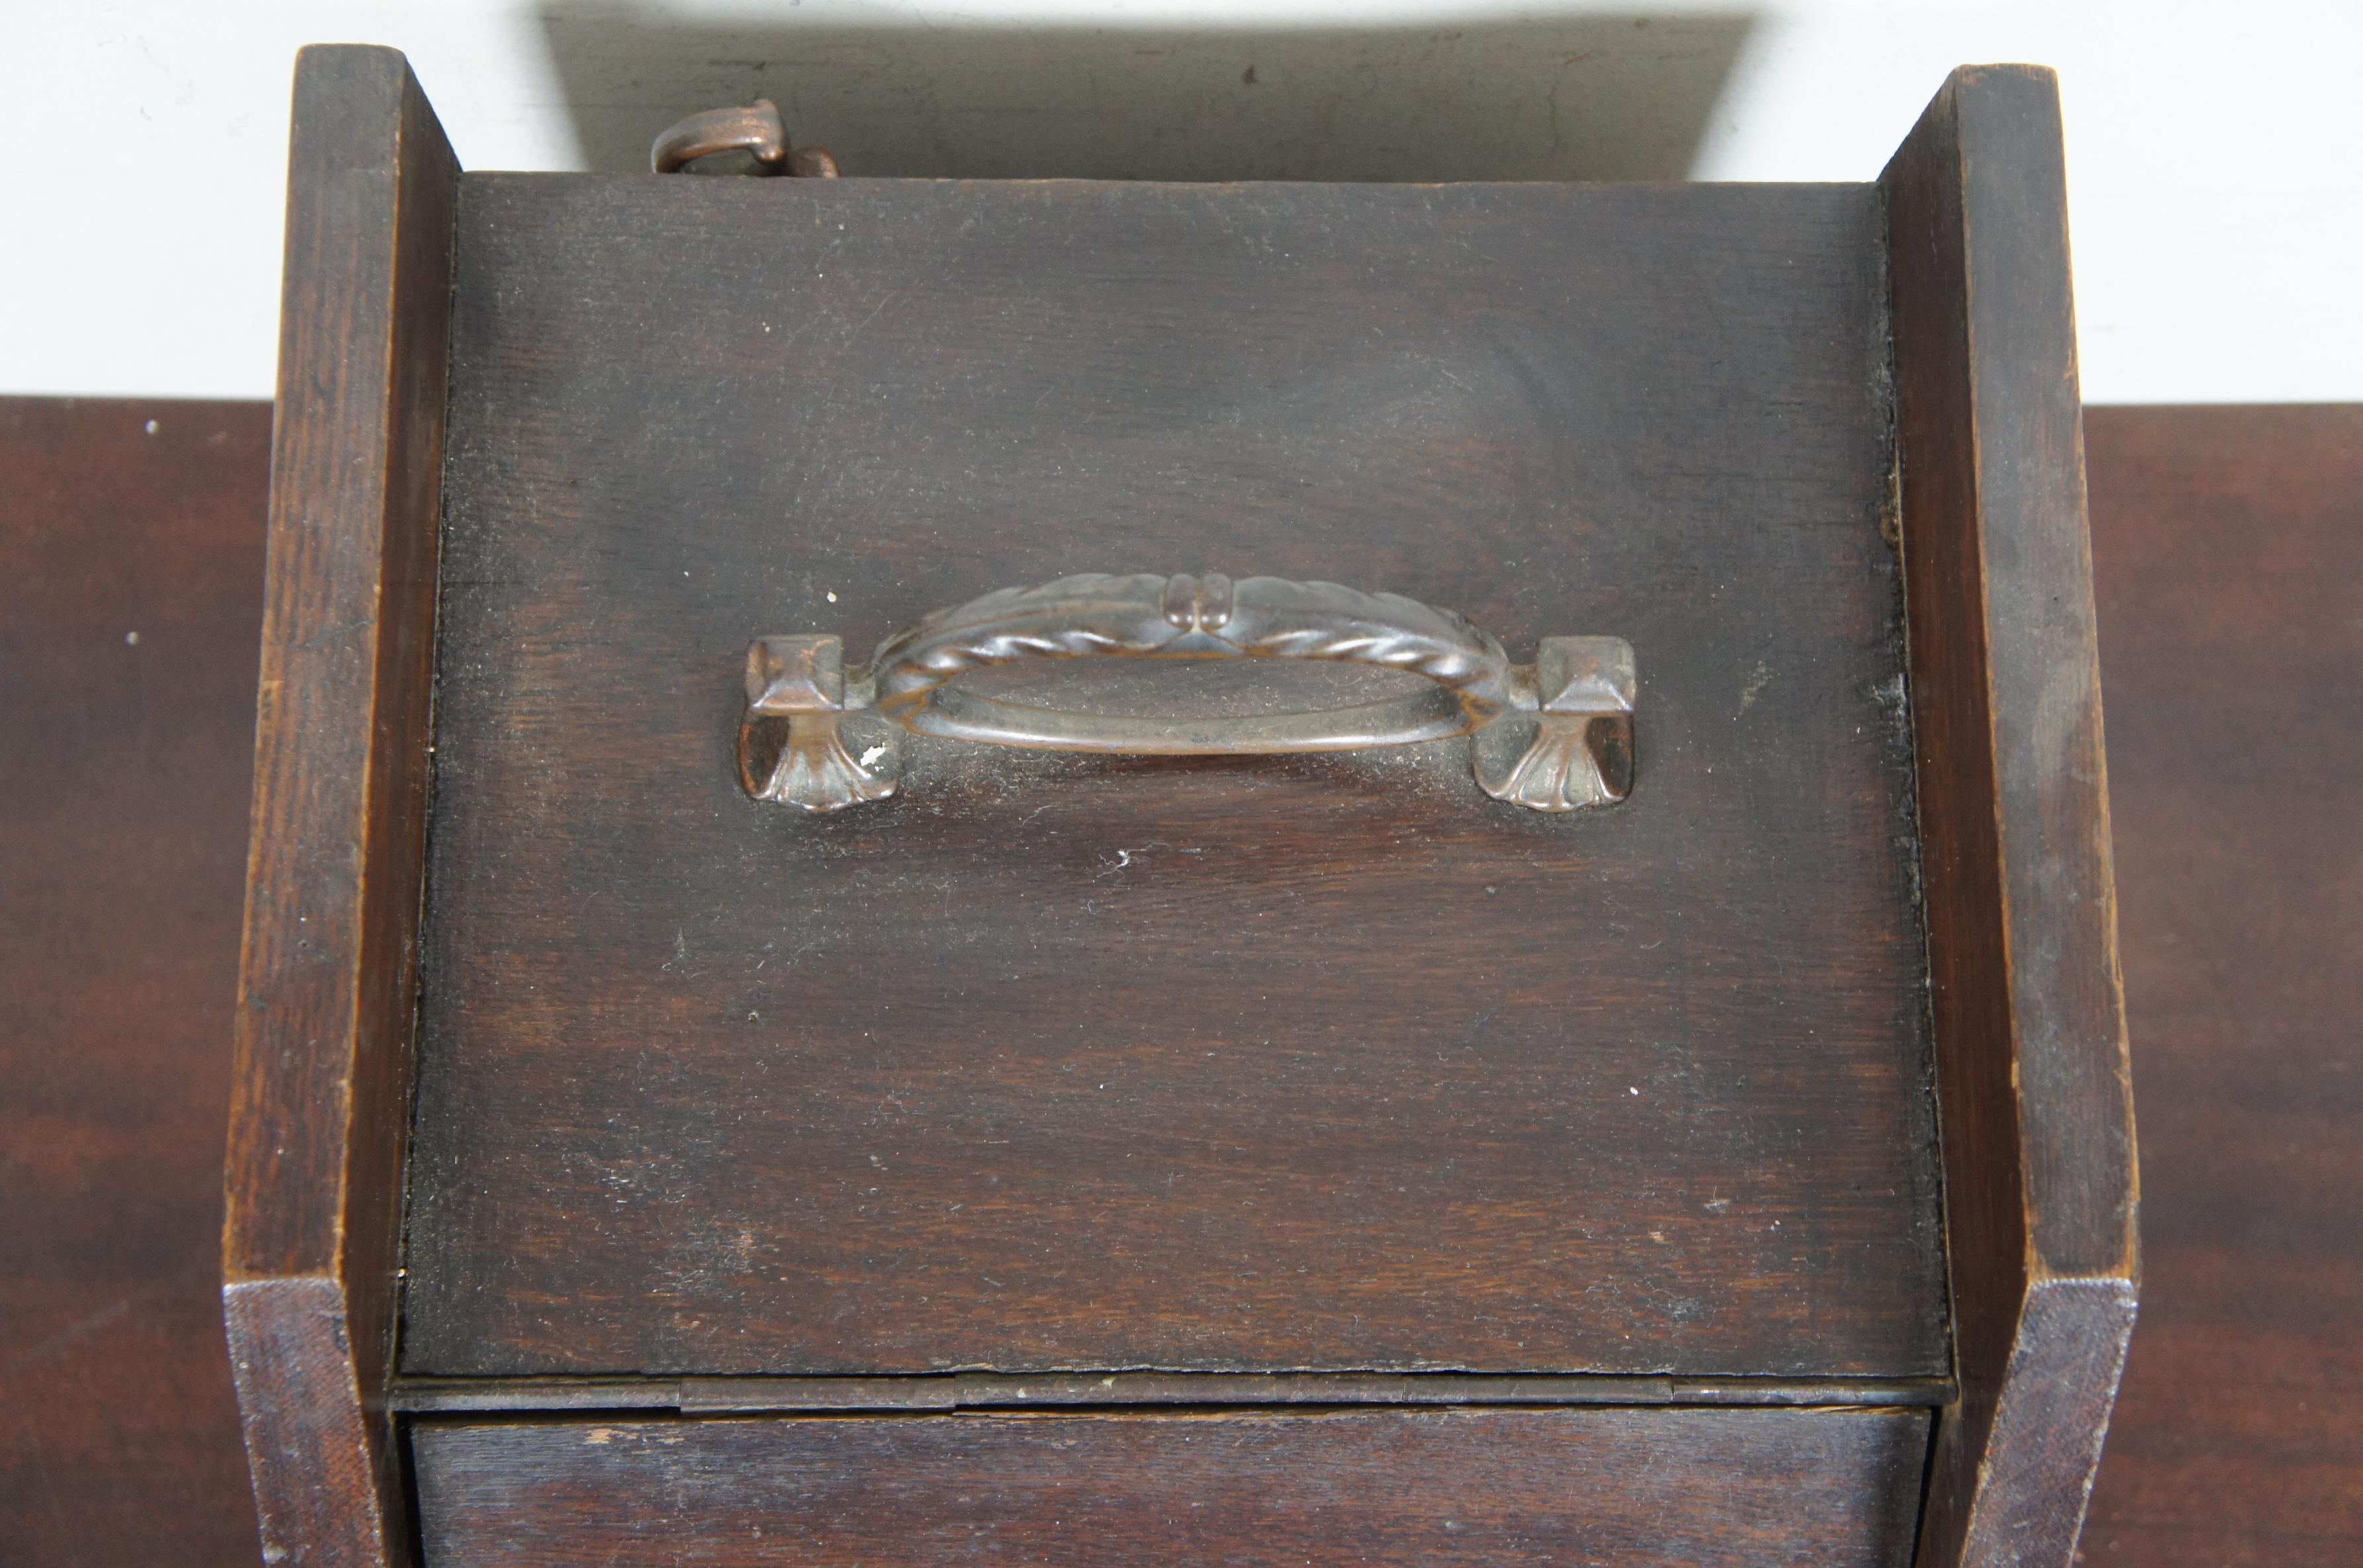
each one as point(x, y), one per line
point(757, 129)
point(1555, 735)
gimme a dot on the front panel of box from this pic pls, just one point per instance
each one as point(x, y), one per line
point(1059, 1061)
point(1638, 1488)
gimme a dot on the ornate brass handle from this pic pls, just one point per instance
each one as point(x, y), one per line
point(1555, 735)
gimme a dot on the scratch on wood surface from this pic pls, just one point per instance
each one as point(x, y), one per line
point(88, 1323)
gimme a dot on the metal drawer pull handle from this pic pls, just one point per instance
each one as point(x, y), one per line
point(1555, 735)
point(757, 129)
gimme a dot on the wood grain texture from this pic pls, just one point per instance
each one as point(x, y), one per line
point(2036, 1107)
point(323, 1066)
point(1623, 1486)
point(131, 556)
point(2227, 553)
point(2224, 543)
point(1064, 1062)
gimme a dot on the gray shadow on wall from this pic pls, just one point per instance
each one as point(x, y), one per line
point(1568, 97)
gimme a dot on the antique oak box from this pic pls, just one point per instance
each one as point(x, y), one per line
point(1597, 1041)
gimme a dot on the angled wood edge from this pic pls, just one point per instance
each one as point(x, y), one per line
point(2032, 1081)
point(321, 1078)
point(1134, 1390)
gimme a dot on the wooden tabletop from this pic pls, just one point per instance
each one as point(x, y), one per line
point(2228, 545)
point(130, 609)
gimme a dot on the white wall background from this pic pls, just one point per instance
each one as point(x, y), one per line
point(2216, 151)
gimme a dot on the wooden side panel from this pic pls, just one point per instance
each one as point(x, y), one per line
point(2033, 1081)
point(320, 1101)
point(1638, 1488)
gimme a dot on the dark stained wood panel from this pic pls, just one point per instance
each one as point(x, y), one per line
point(321, 1074)
point(2228, 557)
point(1636, 1488)
point(2224, 543)
point(131, 556)
point(2031, 1055)
point(1063, 1062)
